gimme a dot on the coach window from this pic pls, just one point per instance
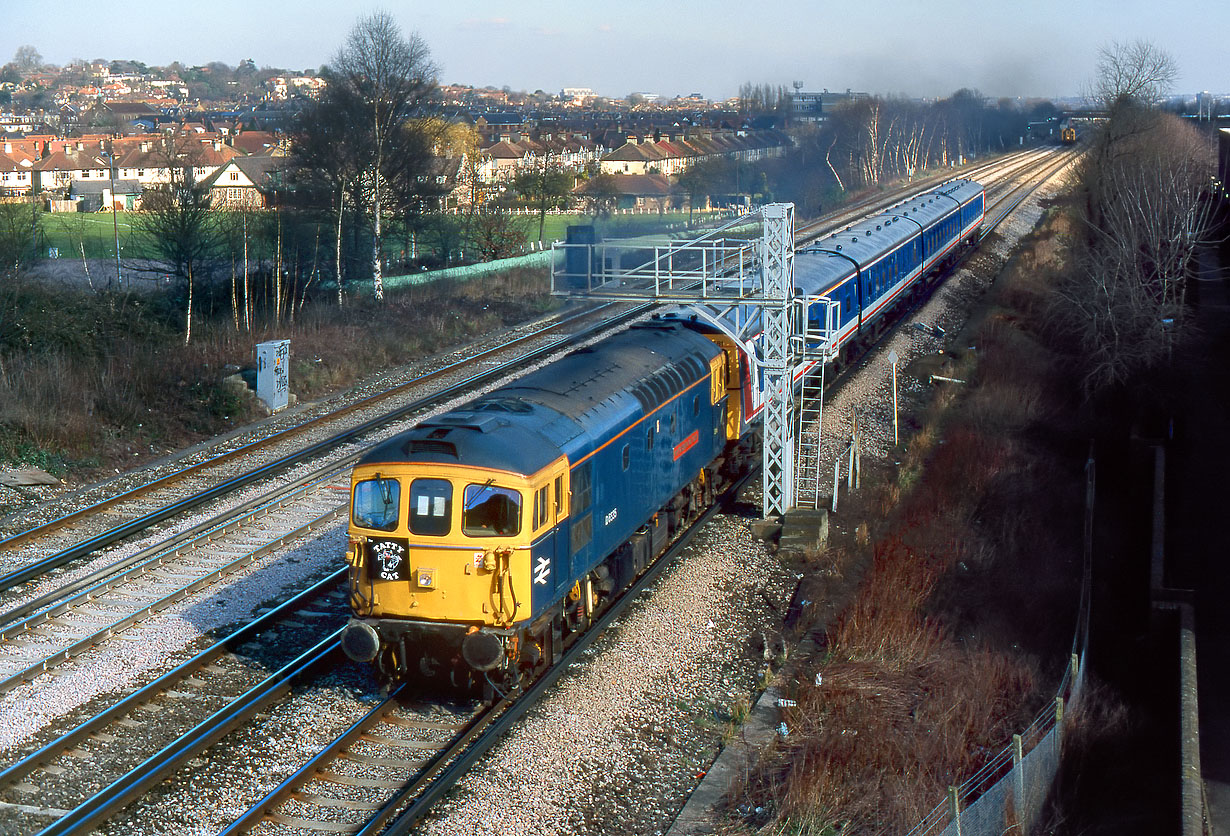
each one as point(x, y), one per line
point(488, 510)
point(431, 507)
point(376, 502)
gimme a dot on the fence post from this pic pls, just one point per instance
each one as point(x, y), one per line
point(1059, 718)
point(954, 808)
point(1018, 772)
point(836, 482)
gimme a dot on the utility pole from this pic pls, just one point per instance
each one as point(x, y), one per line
point(115, 224)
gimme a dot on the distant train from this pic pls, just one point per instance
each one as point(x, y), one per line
point(483, 540)
point(1067, 135)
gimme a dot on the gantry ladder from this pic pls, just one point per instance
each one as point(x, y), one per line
point(819, 348)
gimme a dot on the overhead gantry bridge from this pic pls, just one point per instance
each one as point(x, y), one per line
point(739, 278)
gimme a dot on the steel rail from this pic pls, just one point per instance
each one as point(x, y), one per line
point(20, 769)
point(148, 610)
point(108, 801)
point(120, 532)
point(232, 519)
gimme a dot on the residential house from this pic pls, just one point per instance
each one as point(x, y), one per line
point(150, 163)
point(245, 182)
point(15, 177)
point(633, 191)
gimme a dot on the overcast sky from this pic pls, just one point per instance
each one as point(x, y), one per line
point(1045, 48)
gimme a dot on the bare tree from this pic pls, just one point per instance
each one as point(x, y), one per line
point(1138, 71)
point(496, 233)
point(382, 80)
point(1146, 215)
point(28, 59)
point(176, 216)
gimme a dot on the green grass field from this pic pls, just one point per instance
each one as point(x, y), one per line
point(69, 233)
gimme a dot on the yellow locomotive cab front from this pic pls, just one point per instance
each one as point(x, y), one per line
point(440, 563)
point(450, 549)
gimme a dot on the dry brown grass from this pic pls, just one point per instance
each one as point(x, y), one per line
point(89, 381)
point(935, 663)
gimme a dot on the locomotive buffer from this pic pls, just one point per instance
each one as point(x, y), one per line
point(739, 282)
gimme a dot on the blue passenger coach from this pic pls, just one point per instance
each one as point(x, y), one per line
point(868, 266)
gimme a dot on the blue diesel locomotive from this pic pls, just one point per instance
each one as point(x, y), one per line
point(482, 540)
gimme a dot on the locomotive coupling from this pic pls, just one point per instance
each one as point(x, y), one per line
point(360, 641)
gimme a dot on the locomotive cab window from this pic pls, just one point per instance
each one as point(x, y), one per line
point(376, 503)
point(490, 511)
point(431, 507)
point(542, 512)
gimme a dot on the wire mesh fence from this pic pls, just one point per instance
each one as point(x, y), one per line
point(1008, 795)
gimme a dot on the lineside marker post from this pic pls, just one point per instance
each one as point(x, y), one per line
point(893, 358)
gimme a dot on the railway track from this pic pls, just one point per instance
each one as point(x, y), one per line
point(380, 774)
point(76, 535)
point(65, 785)
point(36, 551)
point(43, 610)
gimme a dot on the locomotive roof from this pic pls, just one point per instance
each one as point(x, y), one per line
point(563, 407)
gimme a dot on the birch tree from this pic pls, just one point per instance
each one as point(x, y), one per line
point(379, 83)
point(177, 217)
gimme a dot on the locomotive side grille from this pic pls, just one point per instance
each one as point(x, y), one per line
point(656, 390)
